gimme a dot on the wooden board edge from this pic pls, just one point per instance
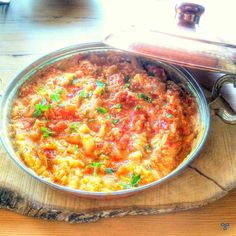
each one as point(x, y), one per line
point(15, 202)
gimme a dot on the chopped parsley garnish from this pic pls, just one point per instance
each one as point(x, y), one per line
point(169, 115)
point(118, 107)
point(144, 97)
point(102, 110)
point(126, 79)
point(59, 91)
point(126, 85)
point(41, 107)
point(148, 148)
point(109, 171)
point(82, 93)
point(99, 83)
point(46, 132)
point(55, 97)
point(76, 149)
point(95, 166)
point(125, 186)
point(91, 120)
point(115, 121)
point(74, 126)
point(109, 117)
point(135, 179)
point(138, 107)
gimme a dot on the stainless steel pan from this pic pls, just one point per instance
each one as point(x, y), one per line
point(177, 74)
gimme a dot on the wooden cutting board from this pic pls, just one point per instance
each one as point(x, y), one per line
point(210, 176)
point(35, 27)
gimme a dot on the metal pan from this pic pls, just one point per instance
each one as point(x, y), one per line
point(177, 74)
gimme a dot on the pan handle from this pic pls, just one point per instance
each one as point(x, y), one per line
point(225, 112)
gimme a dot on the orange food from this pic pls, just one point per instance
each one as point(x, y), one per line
point(105, 123)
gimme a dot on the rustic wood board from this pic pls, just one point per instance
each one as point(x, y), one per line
point(32, 28)
point(210, 176)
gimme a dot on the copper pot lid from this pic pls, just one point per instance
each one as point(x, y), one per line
point(183, 41)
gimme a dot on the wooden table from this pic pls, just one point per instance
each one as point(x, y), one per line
point(32, 28)
point(210, 221)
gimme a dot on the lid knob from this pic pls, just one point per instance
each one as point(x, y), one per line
point(188, 14)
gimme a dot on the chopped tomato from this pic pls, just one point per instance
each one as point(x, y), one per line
point(75, 139)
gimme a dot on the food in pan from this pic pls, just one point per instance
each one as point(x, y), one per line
point(103, 122)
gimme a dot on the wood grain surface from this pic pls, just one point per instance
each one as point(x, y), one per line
point(216, 219)
point(31, 28)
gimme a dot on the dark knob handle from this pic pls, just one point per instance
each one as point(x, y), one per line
point(188, 14)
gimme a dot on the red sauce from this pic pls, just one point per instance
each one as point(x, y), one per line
point(104, 123)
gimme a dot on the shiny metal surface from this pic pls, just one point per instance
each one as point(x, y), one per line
point(179, 75)
point(225, 113)
point(188, 14)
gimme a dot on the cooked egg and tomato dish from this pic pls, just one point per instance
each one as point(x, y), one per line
point(103, 123)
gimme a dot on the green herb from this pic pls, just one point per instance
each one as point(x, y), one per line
point(41, 107)
point(126, 85)
point(115, 121)
point(102, 110)
point(125, 186)
point(109, 117)
point(59, 91)
point(135, 180)
point(100, 84)
point(138, 107)
point(126, 79)
point(144, 97)
point(118, 107)
point(76, 149)
point(109, 171)
point(46, 132)
point(55, 97)
point(74, 126)
point(169, 115)
point(75, 80)
point(91, 120)
point(148, 148)
point(151, 73)
point(95, 166)
point(38, 112)
point(82, 93)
